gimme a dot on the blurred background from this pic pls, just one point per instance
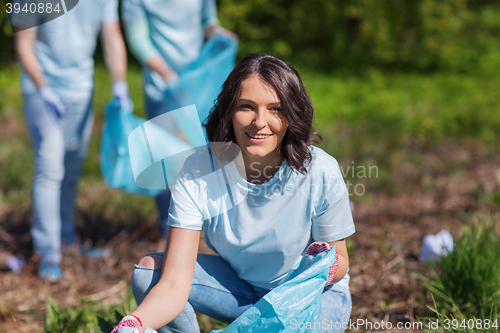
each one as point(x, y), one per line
point(407, 90)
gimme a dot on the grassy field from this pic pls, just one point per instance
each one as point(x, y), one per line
point(430, 141)
point(363, 119)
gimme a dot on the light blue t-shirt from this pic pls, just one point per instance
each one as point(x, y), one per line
point(263, 230)
point(65, 48)
point(176, 30)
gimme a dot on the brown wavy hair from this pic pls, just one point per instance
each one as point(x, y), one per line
point(297, 107)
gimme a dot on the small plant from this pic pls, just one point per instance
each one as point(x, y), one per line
point(467, 281)
point(89, 317)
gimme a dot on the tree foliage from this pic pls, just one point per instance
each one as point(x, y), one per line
point(349, 34)
point(458, 35)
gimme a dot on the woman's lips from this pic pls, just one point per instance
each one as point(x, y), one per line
point(255, 137)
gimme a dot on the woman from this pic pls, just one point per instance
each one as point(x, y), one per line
point(284, 195)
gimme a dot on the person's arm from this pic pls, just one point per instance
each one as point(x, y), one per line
point(137, 33)
point(25, 48)
point(211, 23)
point(168, 298)
point(115, 54)
point(343, 259)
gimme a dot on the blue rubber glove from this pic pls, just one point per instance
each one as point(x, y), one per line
point(53, 103)
point(120, 92)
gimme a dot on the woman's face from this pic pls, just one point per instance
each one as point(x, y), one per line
point(258, 124)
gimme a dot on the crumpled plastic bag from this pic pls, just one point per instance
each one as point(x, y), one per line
point(201, 81)
point(298, 299)
point(436, 246)
point(157, 155)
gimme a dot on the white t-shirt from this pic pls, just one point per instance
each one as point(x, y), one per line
point(263, 230)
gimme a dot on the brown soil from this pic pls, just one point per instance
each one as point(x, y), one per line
point(426, 197)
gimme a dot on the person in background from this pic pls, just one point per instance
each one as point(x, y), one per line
point(57, 85)
point(165, 36)
point(289, 200)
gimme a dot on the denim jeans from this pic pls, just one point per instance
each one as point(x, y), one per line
point(59, 151)
point(154, 109)
point(217, 292)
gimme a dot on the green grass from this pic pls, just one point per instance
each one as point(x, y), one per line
point(93, 317)
point(458, 322)
point(466, 283)
point(470, 275)
point(363, 118)
point(90, 317)
point(389, 109)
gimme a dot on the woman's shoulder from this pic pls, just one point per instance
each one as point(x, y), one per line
point(321, 159)
point(196, 165)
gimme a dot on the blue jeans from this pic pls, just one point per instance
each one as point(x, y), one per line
point(217, 292)
point(59, 152)
point(154, 109)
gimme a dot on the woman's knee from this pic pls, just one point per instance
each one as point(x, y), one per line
point(153, 261)
point(145, 276)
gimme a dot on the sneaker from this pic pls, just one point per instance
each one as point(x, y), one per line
point(50, 272)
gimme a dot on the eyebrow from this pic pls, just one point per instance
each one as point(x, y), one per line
point(250, 101)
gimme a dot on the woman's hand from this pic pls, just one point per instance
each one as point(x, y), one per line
point(131, 324)
point(318, 247)
point(339, 268)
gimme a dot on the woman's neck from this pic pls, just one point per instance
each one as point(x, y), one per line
point(261, 169)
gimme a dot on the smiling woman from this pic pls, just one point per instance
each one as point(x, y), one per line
point(292, 202)
point(261, 82)
point(259, 128)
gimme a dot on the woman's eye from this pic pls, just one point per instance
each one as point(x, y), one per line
point(276, 109)
point(246, 107)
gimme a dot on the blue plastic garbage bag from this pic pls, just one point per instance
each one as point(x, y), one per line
point(201, 81)
point(114, 155)
point(296, 301)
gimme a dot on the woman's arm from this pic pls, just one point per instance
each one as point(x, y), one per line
point(167, 299)
point(343, 258)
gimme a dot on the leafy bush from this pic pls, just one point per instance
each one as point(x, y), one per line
point(338, 35)
point(343, 35)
